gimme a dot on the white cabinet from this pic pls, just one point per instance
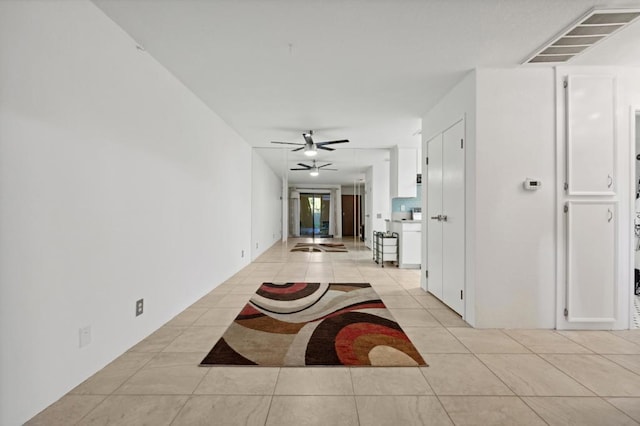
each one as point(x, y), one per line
point(404, 171)
point(590, 135)
point(410, 234)
point(411, 239)
point(589, 292)
point(591, 261)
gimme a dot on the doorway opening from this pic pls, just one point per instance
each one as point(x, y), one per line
point(315, 210)
point(351, 216)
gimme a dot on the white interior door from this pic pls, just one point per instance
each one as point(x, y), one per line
point(434, 210)
point(453, 256)
point(591, 261)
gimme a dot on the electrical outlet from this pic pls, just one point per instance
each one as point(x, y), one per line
point(139, 307)
point(242, 253)
point(85, 336)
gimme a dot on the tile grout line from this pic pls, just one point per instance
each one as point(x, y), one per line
point(82, 417)
point(564, 373)
point(273, 394)
point(109, 395)
point(618, 409)
point(532, 409)
point(355, 401)
point(620, 365)
point(180, 410)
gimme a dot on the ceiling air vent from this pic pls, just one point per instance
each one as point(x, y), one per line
point(587, 31)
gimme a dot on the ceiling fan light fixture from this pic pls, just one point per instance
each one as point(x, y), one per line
point(314, 172)
point(311, 152)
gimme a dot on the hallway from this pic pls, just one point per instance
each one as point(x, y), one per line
point(475, 377)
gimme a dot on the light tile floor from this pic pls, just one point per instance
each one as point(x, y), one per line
point(475, 377)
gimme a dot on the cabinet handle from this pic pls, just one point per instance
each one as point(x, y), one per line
point(609, 181)
point(610, 215)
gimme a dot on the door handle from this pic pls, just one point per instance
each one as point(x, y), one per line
point(444, 218)
point(439, 217)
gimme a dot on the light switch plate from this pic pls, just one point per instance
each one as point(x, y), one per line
point(85, 336)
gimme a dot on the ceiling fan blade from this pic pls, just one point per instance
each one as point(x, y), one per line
point(326, 148)
point(300, 169)
point(298, 149)
point(332, 170)
point(328, 164)
point(288, 143)
point(332, 142)
point(304, 165)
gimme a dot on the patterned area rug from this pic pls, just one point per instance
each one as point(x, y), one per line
point(298, 324)
point(326, 247)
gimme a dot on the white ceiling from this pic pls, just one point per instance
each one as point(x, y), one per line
point(362, 70)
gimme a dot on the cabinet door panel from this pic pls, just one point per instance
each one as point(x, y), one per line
point(410, 252)
point(434, 208)
point(590, 135)
point(591, 261)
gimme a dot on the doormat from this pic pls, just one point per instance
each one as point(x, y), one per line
point(321, 247)
point(302, 324)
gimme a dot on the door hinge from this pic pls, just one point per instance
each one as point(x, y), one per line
point(461, 143)
point(426, 273)
point(565, 84)
point(566, 186)
point(566, 312)
point(427, 161)
point(566, 208)
point(461, 294)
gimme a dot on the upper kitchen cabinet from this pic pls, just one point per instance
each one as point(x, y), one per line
point(404, 170)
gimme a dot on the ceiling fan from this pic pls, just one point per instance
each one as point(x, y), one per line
point(314, 169)
point(310, 147)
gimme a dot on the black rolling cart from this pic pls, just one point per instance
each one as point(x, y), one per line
point(385, 247)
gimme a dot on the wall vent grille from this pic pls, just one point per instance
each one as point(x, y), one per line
point(589, 30)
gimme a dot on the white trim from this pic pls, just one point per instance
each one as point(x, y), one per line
point(634, 114)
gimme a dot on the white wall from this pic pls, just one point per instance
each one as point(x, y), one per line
point(515, 235)
point(368, 208)
point(352, 189)
point(459, 103)
point(266, 206)
point(377, 201)
point(116, 183)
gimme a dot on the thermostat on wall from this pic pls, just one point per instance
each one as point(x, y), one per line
point(531, 184)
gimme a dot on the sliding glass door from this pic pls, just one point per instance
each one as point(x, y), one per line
point(314, 215)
